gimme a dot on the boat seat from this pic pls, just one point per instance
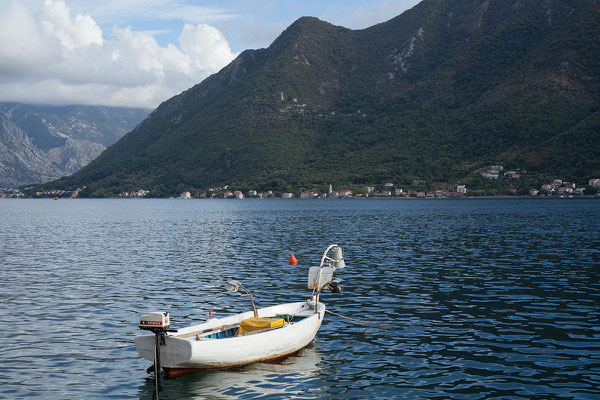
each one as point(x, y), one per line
point(258, 323)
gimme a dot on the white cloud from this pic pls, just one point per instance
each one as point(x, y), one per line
point(196, 13)
point(54, 57)
point(120, 11)
point(21, 48)
point(206, 46)
point(81, 31)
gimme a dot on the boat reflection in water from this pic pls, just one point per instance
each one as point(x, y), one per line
point(281, 378)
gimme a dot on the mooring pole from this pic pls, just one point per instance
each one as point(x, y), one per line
point(157, 363)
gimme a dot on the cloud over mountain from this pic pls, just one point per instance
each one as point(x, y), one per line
point(55, 57)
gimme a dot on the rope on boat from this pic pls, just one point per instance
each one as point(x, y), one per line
point(357, 320)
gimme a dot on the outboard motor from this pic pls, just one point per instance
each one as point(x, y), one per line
point(158, 323)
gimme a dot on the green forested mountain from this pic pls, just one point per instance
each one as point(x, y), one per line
point(433, 94)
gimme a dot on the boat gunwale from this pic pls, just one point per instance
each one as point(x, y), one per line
point(190, 332)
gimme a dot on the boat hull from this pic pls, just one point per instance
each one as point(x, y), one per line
point(177, 372)
point(183, 352)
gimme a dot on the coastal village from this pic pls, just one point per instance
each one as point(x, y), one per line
point(510, 183)
point(557, 187)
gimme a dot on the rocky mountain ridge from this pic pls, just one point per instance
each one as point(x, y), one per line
point(43, 143)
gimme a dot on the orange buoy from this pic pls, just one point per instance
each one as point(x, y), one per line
point(293, 260)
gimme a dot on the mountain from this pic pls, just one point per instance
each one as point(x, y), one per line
point(43, 143)
point(434, 94)
point(20, 160)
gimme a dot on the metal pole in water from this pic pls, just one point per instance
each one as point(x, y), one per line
point(157, 364)
point(158, 323)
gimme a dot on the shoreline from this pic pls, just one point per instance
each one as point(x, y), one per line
point(588, 197)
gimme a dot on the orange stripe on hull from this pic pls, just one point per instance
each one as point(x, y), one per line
point(177, 372)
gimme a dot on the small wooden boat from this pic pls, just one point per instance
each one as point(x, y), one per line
point(217, 343)
point(258, 335)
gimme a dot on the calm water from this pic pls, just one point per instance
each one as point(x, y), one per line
point(485, 298)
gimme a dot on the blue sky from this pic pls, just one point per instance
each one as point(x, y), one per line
point(142, 52)
point(245, 24)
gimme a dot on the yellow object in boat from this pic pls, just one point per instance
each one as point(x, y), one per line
point(257, 323)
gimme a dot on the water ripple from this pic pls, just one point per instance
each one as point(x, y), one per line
point(484, 299)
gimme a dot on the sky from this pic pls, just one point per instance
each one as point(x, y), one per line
point(139, 53)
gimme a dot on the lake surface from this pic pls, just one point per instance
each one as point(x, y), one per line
point(491, 298)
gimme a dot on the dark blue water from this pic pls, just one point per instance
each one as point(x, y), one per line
point(484, 298)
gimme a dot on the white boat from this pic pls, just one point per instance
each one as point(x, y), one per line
point(258, 335)
point(214, 344)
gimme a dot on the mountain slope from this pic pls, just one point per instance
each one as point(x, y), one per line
point(61, 139)
point(20, 160)
point(435, 93)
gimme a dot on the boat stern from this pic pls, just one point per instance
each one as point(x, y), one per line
point(173, 352)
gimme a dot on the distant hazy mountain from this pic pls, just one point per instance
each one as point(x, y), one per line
point(42, 143)
point(20, 161)
point(435, 94)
